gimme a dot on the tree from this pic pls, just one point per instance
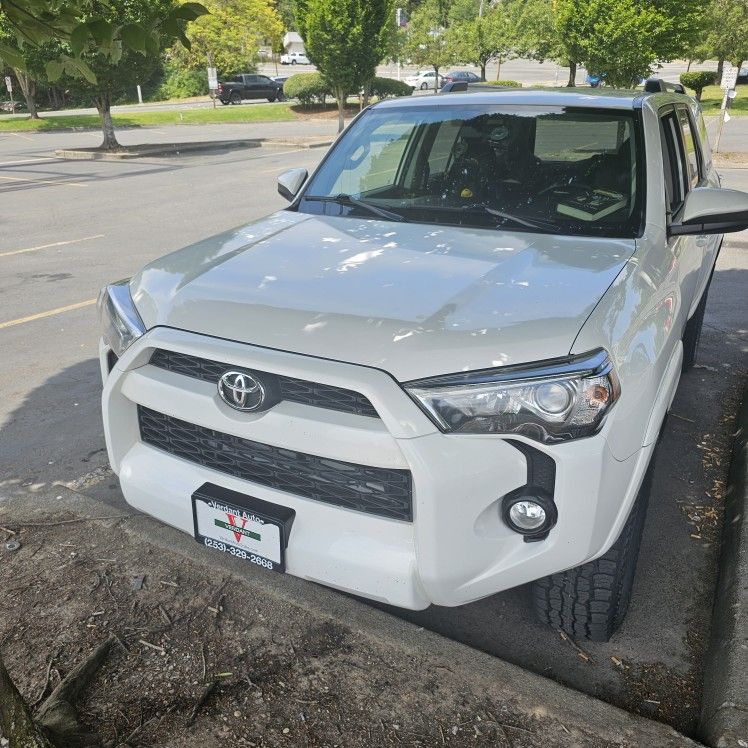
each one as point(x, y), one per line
point(488, 36)
point(345, 39)
point(230, 35)
point(726, 33)
point(623, 39)
point(427, 39)
point(114, 75)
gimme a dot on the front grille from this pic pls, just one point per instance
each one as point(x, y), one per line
point(297, 390)
point(385, 492)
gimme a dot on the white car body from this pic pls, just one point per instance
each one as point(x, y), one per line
point(294, 58)
point(423, 79)
point(364, 305)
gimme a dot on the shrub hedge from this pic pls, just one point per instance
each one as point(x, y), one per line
point(383, 88)
point(308, 88)
point(698, 81)
point(506, 84)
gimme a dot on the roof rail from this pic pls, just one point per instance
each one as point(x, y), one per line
point(461, 86)
point(657, 85)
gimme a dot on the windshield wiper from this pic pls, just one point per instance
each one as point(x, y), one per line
point(540, 225)
point(357, 202)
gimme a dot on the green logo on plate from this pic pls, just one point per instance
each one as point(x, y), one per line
point(239, 530)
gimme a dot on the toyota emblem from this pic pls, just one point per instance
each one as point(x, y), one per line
point(241, 391)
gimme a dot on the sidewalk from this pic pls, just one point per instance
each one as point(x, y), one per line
point(287, 663)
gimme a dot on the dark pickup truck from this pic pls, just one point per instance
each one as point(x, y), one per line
point(249, 86)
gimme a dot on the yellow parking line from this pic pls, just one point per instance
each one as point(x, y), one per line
point(50, 313)
point(56, 182)
point(47, 246)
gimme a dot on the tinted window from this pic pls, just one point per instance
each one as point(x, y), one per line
point(675, 169)
point(691, 148)
point(548, 169)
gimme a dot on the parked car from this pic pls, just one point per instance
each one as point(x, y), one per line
point(461, 75)
point(294, 58)
point(249, 86)
point(424, 79)
point(742, 74)
point(443, 369)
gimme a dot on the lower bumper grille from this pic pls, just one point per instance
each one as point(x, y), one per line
point(386, 492)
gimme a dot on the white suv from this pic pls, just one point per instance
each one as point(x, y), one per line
point(423, 80)
point(294, 58)
point(441, 372)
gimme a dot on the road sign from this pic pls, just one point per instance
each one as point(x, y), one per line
point(9, 84)
point(212, 79)
point(729, 78)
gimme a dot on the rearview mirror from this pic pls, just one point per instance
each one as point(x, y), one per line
point(712, 210)
point(289, 183)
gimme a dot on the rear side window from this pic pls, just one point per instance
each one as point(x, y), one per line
point(691, 148)
point(674, 164)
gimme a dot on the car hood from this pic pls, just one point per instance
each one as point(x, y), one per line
point(415, 300)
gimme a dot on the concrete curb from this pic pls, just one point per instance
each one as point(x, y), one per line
point(724, 715)
point(563, 716)
point(177, 149)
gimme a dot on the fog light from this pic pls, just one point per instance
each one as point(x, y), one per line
point(531, 513)
point(527, 516)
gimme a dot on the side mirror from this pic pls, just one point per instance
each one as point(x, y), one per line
point(712, 210)
point(289, 183)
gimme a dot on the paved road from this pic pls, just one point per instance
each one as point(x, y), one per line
point(66, 228)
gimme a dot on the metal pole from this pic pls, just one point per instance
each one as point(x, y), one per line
point(722, 115)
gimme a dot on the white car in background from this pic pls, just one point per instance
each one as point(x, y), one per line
point(294, 58)
point(424, 79)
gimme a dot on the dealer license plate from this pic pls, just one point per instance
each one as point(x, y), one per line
point(242, 526)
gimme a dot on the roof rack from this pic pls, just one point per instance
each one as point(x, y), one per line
point(657, 85)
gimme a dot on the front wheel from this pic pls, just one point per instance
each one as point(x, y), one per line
point(424, 86)
point(293, 62)
point(590, 601)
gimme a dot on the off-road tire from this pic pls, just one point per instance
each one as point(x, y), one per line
point(590, 601)
point(692, 333)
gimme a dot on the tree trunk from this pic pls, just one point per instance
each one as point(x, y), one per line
point(572, 75)
point(28, 89)
point(436, 79)
point(341, 97)
point(367, 94)
point(720, 66)
point(16, 723)
point(104, 107)
point(498, 69)
point(483, 71)
point(688, 67)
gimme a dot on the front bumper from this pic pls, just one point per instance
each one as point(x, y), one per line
point(456, 550)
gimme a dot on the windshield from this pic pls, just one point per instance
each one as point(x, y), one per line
point(529, 168)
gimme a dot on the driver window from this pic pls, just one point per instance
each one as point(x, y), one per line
point(385, 152)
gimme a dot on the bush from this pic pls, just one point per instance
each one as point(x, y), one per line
point(308, 88)
point(505, 84)
point(383, 88)
point(698, 81)
point(179, 83)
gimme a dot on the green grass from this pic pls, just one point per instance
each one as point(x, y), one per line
point(221, 115)
point(711, 100)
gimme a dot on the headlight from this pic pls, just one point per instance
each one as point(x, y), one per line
point(121, 325)
point(551, 401)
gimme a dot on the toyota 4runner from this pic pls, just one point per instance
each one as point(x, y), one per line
point(442, 371)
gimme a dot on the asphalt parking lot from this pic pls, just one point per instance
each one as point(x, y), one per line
point(66, 228)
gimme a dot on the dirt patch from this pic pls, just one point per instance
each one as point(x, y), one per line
point(202, 663)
